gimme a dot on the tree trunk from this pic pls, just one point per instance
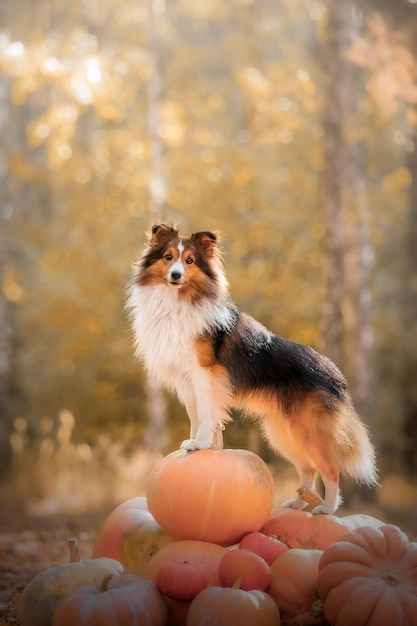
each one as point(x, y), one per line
point(410, 325)
point(346, 333)
point(5, 207)
point(157, 182)
point(358, 298)
point(358, 256)
point(335, 174)
point(157, 410)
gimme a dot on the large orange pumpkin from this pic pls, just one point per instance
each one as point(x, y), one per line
point(210, 495)
point(369, 578)
point(301, 529)
point(130, 535)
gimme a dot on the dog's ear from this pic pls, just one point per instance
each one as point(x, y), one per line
point(206, 240)
point(161, 233)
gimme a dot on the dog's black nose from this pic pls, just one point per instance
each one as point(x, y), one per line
point(175, 275)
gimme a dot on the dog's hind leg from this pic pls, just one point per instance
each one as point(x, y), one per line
point(332, 498)
point(307, 476)
point(323, 458)
point(322, 453)
point(282, 439)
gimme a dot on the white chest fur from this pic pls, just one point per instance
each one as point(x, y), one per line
point(166, 327)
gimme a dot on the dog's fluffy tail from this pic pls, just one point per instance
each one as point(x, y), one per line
point(357, 458)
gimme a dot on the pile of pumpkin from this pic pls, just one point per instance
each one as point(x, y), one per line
point(203, 548)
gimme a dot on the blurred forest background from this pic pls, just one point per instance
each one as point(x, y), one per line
point(290, 126)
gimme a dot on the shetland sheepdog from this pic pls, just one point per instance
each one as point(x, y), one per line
point(195, 341)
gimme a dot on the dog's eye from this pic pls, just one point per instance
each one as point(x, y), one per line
point(189, 261)
point(168, 257)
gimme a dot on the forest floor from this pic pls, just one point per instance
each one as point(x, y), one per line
point(30, 545)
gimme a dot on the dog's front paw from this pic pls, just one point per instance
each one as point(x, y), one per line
point(322, 509)
point(189, 444)
point(203, 440)
point(295, 503)
point(194, 444)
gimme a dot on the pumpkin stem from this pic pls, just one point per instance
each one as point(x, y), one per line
point(74, 552)
point(317, 607)
point(104, 585)
point(310, 496)
point(237, 583)
point(392, 578)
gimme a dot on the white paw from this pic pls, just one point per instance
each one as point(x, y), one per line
point(188, 444)
point(322, 509)
point(194, 444)
point(295, 503)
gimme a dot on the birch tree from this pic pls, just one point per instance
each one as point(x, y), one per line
point(156, 403)
point(346, 330)
point(6, 290)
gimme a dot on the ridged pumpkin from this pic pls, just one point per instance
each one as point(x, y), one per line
point(210, 495)
point(369, 578)
point(232, 607)
point(126, 600)
point(180, 581)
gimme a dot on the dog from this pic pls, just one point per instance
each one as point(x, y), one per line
point(196, 342)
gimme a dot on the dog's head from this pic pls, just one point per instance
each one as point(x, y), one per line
point(186, 263)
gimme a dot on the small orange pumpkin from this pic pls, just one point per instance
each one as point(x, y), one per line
point(369, 578)
point(130, 535)
point(210, 495)
point(301, 529)
point(202, 555)
point(230, 606)
point(293, 586)
point(249, 568)
point(127, 599)
point(180, 581)
point(267, 547)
